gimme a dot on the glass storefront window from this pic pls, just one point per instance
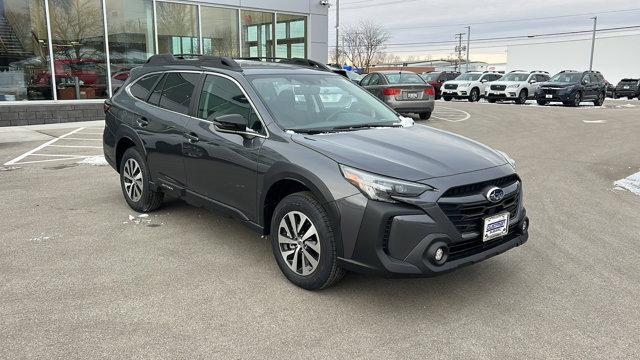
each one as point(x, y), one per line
point(257, 34)
point(131, 39)
point(290, 36)
point(25, 72)
point(219, 31)
point(177, 28)
point(77, 37)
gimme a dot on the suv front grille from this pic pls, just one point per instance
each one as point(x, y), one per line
point(498, 87)
point(475, 188)
point(451, 86)
point(468, 217)
point(549, 91)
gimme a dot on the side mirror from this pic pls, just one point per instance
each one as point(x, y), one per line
point(533, 81)
point(231, 122)
point(484, 80)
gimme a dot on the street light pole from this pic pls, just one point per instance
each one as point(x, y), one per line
point(459, 50)
point(468, 43)
point(593, 41)
point(338, 32)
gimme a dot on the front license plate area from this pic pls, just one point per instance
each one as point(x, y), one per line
point(549, 96)
point(495, 226)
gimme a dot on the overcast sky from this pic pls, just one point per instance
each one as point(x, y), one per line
point(420, 21)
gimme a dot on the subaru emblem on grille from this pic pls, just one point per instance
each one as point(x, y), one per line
point(494, 194)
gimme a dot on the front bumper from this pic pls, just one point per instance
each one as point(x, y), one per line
point(459, 93)
point(557, 96)
point(398, 240)
point(502, 95)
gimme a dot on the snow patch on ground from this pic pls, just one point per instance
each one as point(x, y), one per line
point(94, 160)
point(143, 219)
point(630, 183)
point(42, 237)
point(594, 121)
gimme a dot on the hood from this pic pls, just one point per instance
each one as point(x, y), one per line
point(558, 85)
point(498, 82)
point(458, 82)
point(412, 153)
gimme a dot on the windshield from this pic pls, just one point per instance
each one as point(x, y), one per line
point(468, 76)
point(430, 76)
point(515, 77)
point(320, 102)
point(566, 78)
point(403, 78)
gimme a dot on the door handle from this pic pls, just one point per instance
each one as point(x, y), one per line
point(142, 122)
point(192, 137)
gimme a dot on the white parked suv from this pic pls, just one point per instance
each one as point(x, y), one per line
point(470, 85)
point(517, 85)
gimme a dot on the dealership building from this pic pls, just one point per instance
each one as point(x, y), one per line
point(59, 59)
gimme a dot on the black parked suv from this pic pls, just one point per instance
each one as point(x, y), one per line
point(573, 87)
point(628, 88)
point(337, 179)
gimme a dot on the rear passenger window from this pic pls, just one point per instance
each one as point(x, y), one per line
point(221, 96)
point(177, 91)
point(142, 88)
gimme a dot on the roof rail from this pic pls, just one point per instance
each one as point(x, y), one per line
point(512, 71)
point(539, 71)
point(291, 61)
point(195, 60)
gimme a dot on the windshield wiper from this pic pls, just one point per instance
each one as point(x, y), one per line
point(313, 131)
point(366, 126)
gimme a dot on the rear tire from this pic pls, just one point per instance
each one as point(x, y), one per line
point(474, 95)
point(425, 115)
point(134, 181)
point(522, 97)
point(309, 263)
point(446, 98)
point(600, 100)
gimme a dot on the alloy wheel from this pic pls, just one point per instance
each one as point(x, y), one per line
point(133, 181)
point(299, 243)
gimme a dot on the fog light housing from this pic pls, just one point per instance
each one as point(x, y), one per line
point(438, 253)
point(524, 226)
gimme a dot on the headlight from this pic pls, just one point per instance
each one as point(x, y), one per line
point(465, 85)
point(381, 188)
point(508, 158)
point(513, 86)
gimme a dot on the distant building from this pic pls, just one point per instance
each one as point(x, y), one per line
point(442, 65)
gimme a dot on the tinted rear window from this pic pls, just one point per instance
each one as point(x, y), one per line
point(142, 88)
point(177, 91)
point(404, 78)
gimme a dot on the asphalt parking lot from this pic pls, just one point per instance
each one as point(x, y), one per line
point(83, 276)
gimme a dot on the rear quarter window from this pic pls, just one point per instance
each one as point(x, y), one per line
point(142, 87)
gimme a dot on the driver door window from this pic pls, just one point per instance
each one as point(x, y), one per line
point(221, 96)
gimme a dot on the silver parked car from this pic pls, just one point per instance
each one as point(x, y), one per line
point(404, 91)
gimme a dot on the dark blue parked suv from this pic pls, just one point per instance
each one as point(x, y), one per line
point(573, 87)
point(338, 180)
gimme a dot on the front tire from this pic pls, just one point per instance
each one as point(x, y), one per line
point(135, 184)
point(303, 242)
point(541, 102)
point(522, 97)
point(446, 98)
point(474, 95)
point(575, 102)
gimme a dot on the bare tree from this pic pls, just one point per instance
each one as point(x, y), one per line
point(364, 42)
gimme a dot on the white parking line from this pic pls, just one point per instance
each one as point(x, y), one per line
point(74, 138)
point(48, 143)
point(77, 146)
point(451, 112)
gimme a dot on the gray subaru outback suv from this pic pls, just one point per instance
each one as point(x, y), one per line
point(337, 179)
